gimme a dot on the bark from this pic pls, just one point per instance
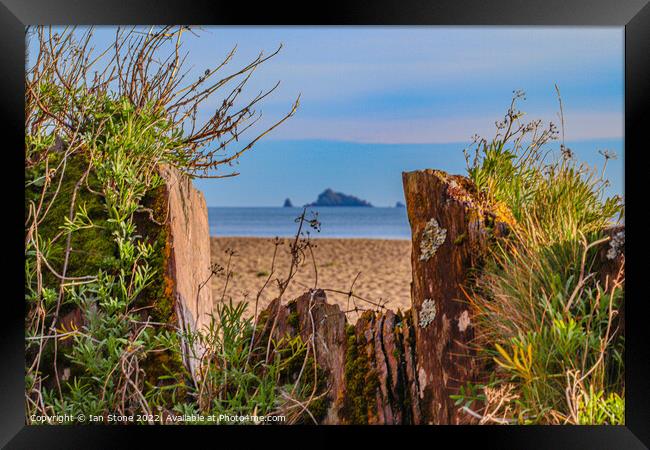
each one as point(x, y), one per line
point(320, 324)
point(610, 266)
point(450, 234)
point(188, 261)
point(370, 367)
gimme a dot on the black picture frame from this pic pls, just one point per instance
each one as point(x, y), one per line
point(634, 15)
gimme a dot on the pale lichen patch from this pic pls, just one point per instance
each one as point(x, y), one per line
point(457, 192)
point(616, 245)
point(427, 312)
point(433, 237)
point(463, 321)
point(422, 379)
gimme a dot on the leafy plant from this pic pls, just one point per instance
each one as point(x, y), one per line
point(544, 316)
point(101, 337)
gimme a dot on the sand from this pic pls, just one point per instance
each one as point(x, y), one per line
point(384, 266)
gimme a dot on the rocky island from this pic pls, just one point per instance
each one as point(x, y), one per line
point(330, 198)
point(287, 203)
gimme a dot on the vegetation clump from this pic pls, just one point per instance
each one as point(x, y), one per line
point(101, 334)
point(545, 316)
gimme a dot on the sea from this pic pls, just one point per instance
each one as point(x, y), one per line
point(335, 222)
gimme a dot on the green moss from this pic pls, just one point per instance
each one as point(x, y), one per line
point(293, 319)
point(92, 248)
point(164, 369)
point(317, 407)
point(361, 381)
point(460, 239)
point(403, 399)
point(159, 294)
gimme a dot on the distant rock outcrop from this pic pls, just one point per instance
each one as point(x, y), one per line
point(287, 203)
point(400, 205)
point(330, 198)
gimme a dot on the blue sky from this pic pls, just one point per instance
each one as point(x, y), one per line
point(379, 100)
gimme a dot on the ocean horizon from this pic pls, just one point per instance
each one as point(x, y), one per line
point(336, 222)
point(372, 172)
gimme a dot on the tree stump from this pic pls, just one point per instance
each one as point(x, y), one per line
point(187, 265)
point(450, 233)
point(369, 367)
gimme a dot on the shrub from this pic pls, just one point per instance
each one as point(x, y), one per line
point(544, 317)
point(100, 335)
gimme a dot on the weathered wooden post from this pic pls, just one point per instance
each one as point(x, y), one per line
point(187, 259)
point(450, 233)
point(369, 367)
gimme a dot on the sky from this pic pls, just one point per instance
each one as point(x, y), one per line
point(375, 101)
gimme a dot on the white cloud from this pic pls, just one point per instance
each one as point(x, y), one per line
point(579, 125)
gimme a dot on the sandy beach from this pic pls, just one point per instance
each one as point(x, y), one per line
point(384, 266)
